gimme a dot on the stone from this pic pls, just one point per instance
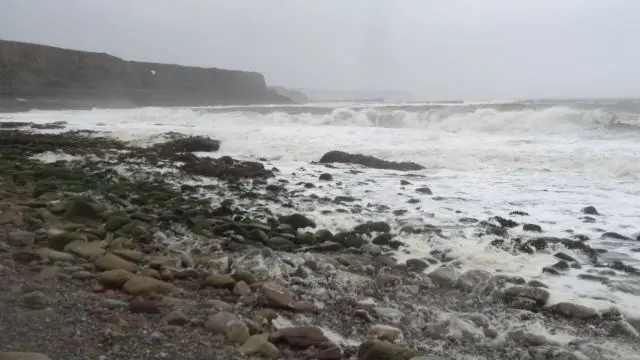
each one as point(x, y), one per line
point(34, 300)
point(21, 238)
point(142, 285)
point(177, 318)
point(259, 345)
point(325, 177)
point(379, 350)
point(523, 303)
point(445, 277)
point(219, 305)
point(301, 337)
point(141, 306)
point(58, 241)
point(532, 228)
point(116, 222)
point(241, 288)
point(385, 332)
point(237, 331)
point(275, 295)
point(416, 264)
point(110, 261)
point(116, 278)
point(540, 295)
point(472, 279)
point(54, 255)
point(219, 322)
point(297, 221)
point(243, 275)
point(303, 306)
point(23, 356)
point(623, 328)
point(27, 255)
point(85, 249)
point(368, 161)
point(131, 255)
point(572, 310)
point(219, 281)
point(332, 353)
point(590, 210)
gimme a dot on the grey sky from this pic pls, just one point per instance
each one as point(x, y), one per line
point(439, 49)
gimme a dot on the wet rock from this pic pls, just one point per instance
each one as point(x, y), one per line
point(237, 331)
point(176, 318)
point(220, 281)
point(576, 311)
point(383, 239)
point(23, 356)
point(372, 226)
point(301, 337)
point(416, 264)
point(259, 345)
point(523, 303)
point(85, 249)
point(325, 177)
point(187, 145)
point(115, 278)
point(368, 161)
point(110, 261)
point(445, 277)
point(519, 213)
point(505, 223)
point(536, 283)
point(623, 328)
point(471, 279)
point(297, 221)
point(540, 295)
point(565, 257)
point(241, 288)
point(615, 236)
point(34, 300)
point(332, 353)
point(21, 238)
point(378, 350)
point(385, 332)
point(131, 255)
point(225, 168)
point(590, 210)
point(229, 325)
point(532, 228)
point(424, 190)
point(142, 285)
point(272, 294)
point(116, 222)
point(620, 266)
point(526, 338)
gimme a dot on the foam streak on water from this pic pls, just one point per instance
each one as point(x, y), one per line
point(549, 160)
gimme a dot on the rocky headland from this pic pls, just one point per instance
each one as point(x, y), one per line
point(129, 252)
point(36, 76)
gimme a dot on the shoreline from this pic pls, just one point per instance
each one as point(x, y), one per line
point(113, 230)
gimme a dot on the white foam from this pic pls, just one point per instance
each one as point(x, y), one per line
point(482, 161)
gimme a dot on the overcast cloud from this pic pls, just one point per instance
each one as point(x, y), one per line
point(439, 49)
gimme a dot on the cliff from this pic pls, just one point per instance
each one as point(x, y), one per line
point(39, 76)
point(295, 95)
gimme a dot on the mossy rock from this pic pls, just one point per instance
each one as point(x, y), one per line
point(58, 242)
point(116, 222)
point(323, 235)
point(136, 230)
point(82, 211)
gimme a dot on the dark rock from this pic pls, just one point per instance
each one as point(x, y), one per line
point(188, 144)
point(349, 239)
point(368, 161)
point(588, 219)
point(301, 337)
point(325, 177)
point(379, 350)
point(620, 266)
point(532, 228)
point(565, 257)
point(615, 235)
point(505, 223)
point(297, 221)
point(382, 239)
point(590, 210)
point(144, 306)
point(225, 168)
point(371, 226)
point(519, 213)
point(416, 264)
point(404, 182)
point(424, 190)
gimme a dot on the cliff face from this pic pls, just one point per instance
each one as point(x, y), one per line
point(47, 76)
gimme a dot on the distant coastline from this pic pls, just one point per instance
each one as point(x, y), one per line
point(34, 76)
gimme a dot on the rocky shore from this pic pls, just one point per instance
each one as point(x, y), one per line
point(129, 252)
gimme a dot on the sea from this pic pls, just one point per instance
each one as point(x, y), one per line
point(547, 158)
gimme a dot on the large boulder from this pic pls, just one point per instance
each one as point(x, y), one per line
point(226, 168)
point(368, 161)
point(188, 144)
